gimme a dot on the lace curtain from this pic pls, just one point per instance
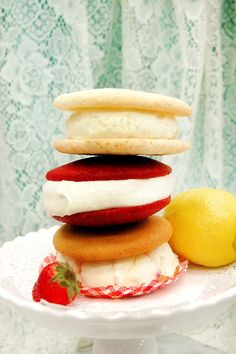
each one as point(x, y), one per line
point(183, 48)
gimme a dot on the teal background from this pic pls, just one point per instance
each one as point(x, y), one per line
point(185, 49)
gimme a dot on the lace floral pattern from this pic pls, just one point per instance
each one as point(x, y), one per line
point(182, 48)
point(49, 47)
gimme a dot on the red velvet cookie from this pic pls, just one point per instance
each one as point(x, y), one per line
point(106, 168)
point(103, 168)
point(114, 216)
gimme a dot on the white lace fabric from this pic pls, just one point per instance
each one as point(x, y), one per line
point(181, 48)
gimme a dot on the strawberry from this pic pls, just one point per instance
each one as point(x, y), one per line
point(56, 283)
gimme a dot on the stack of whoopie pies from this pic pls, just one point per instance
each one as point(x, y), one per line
point(110, 237)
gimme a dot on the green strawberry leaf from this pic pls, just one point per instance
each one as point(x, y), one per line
point(77, 287)
point(58, 277)
point(61, 269)
point(71, 293)
point(65, 284)
point(66, 277)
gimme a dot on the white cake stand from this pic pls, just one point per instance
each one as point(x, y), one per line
point(118, 326)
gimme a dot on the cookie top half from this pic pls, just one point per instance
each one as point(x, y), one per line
point(109, 168)
point(90, 245)
point(122, 99)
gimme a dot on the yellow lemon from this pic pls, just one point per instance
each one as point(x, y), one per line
point(204, 222)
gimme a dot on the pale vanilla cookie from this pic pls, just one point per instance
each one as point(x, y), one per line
point(121, 122)
point(122, 99)
point(84, 244)
point(121, 146)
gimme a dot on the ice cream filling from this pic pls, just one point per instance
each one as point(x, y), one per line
point(120, 124)
point(68, 197)
point(127, 272)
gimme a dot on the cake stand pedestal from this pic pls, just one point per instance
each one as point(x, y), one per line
point(125, 346)
point(124, 326)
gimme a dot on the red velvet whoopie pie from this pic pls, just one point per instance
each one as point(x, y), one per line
point(111, 168)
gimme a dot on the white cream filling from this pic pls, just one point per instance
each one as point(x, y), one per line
point(120, 124)
point(69, 197)
point(127, 272)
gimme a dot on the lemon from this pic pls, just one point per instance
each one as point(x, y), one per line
point(204, 223)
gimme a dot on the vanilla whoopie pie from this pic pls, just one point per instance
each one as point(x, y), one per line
point(121, 122)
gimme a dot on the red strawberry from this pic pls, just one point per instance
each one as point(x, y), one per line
point(35, 293)
point(56, 283)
